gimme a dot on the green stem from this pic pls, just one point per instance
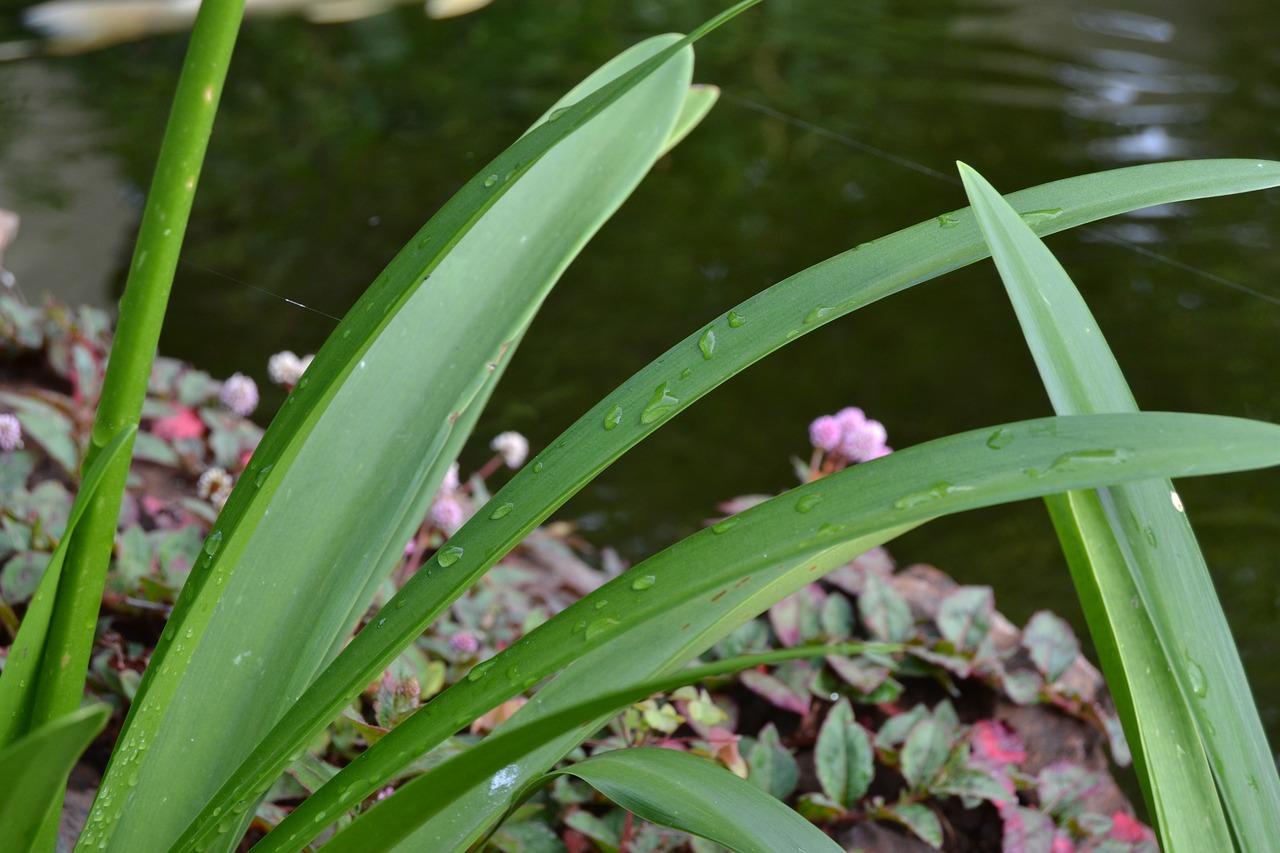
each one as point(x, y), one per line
point(142, 311)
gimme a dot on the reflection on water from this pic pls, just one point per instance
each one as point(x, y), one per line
point(336, 143)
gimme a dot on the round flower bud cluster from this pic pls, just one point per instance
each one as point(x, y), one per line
point(512, 447)
point(239, 394)
point(214, 486)
point(285, 368)
point(849, 436)
point(10, 433)
point(447, 510)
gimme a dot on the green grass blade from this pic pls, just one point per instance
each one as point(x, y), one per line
point(1157, 548)
point(24, 699)
point(765, 553)
point(684, 792)
point(274, 595)
point(757, 327)
point(36, 768)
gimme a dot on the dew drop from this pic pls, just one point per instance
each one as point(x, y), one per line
point(948, 220)
point(580, 626)
point(819, 313)
point(1000, 439)
point(213, 543)
point(808, 502)
point(502, 511)
point(1195, 675)
point(556, 115)
point(660, 405)
point(724, 525)
point(448, 556)
point(935, 492)
point(513, 672)
point(686, 373)
point(1177, 501)
point(1084, 459)
point(480, 670)
point(602, 604)
point(1035, 217)
point(399, 603)
point(601, 625)
point(707, 343)
point(736, 319)
point(640, 584)
point(491, 180)
point(262, 476)
point(613, 417)
point(537, 467)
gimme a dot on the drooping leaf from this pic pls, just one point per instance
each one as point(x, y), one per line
point(692, 794)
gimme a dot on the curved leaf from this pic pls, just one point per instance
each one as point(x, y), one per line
point(36, 768)
point(683, 792)
point(765, 553)
point(1157, 562)
point(332, 494)
point(689, 370)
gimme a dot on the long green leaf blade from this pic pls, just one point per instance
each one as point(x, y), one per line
point(282, 564)
point(757, 327)
point(760, 556)
point(21, 708)
point(684, 792)
point(1168, 572)
point(36, 768)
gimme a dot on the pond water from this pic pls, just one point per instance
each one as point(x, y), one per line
point(840, 122)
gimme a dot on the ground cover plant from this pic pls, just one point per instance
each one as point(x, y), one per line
point(324, 506)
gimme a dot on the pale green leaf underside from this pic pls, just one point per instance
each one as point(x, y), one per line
point(683, 792)
point(763, 324)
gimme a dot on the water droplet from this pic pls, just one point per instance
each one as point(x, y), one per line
point(537, 467)
point(935, 492)
point(707, 343)
point(213, 543)
point(808, 502)
point(399, 603)
point(1177, 501)
point(1195, 675)
point(480, 670)
point(948, 220)
point(502, 511)
point(262, 475)
point(557, 114)
point(724, 525)
point(580, 626)
point(613, 417)
point(303, 382)
point(601, 604)
point(819, 313)
point(660, 405)
point(829, 529)
point(513, 672)
point(1149, 535)
point(736, 319)
point(1035, 217)
point(644, 583)
point(1083, 459)
point(1000, 439)
point(448, 556)
point(491, 180)
point(686, 373)
point(381, 622)
point(346, 333)
point(601, 625)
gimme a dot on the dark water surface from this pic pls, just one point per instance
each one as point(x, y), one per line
point(336, 143)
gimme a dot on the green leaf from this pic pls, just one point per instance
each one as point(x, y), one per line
point(920, 819)
point(692, 794)
point(964, 616)
point(284, 579)
point(924, 753)
point(22, 704)
point(772, 768)
point(843, 756)
point(1052, 644)
point(1186, 637)
point(36, 767)
point(884, 611)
